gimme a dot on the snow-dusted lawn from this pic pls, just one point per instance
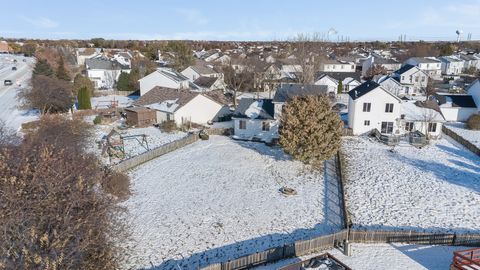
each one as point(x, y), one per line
point(103, 102)
point(436, 188)
point(218, 199)
point(461, 129)
point(155, 138)
point(388, 256)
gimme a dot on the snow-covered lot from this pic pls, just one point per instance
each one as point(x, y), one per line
point(461, 129)
point(388, 256)
point(103, 102)
point(219, 199)
point(436, 188)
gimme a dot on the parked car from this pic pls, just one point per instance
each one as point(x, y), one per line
point(7, 82)
point(14, 68)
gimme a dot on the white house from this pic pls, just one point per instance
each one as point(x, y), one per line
point(182, 106)
point(392, 85)
point(337, 66)
point(414, 79)
point(474, 91)
point(457, 108)
point(210, 83)
point(390, 65)
point(329, 82)
point(104, 72)
point(163, 77)
point(254, 120)
point(452, 65)
point(431, 66)
point(196, 71)
point(349, 80)
point(470, 61)
point(370, 107)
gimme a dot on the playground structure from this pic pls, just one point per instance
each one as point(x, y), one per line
point(466, 259)
point(109, 104)
point(114, 144)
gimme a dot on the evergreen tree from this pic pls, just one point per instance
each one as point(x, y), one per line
point(134, 76)
point(43, 68)
point(340, 87)
point(81, 81)
point(310, 131)
point(62, 73)
point(123, 83)
point(84, 99)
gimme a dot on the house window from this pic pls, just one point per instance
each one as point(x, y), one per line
point(387, 127)
point(367, 107)
point(411, 78)
point(168, 117)
point(423, 78)
point(432, 127)
point(409, 126)
point(366, 123)
point(353, 67)
point(416, 79)
point(389, 107)
point(242, 124)
point(265, 126)
point(341, 66)
point(403, 78)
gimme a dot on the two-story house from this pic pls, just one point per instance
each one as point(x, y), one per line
point(414, 79)
point(388, 64)
point(330, 65)
point(452, 65)
point(163, 77)
point(104, 72)
point(370, 107)
point(431, 66)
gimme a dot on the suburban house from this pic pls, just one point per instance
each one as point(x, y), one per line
point(86, 53)
point(104, 72)
point(388, 64)
point(196, 71)
point(414, 79)
point(254, 120)
point(431, 66)
point(452, 65)
point(470, 61)
point(424, 117)
point(370, 107)
point(210, 83)
point(337, 66)
point(349, 80)
point(392, 85)
point(163, 77)
point(182, 106)
point(454, 107)
point(258, 119)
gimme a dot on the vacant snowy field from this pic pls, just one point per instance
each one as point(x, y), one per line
point(436, 188)
point(461, 129)
point(388, 256)
point(219, 199)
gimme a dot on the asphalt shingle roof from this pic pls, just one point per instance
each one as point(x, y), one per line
point(362, 89)
point(287, 91)
point(266, 112)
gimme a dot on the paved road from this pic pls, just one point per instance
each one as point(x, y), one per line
point(9, 111)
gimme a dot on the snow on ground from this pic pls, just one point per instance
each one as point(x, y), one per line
point(225, 124)
point(10, 113)
point(387, 256)
point(461, 129)
point(219, 199)
point(103, 102)
point(155, 138)
point(436, 188)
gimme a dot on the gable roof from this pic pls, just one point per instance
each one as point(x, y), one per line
point(421, 111)
point(159, 95)
point(424, 60)
point(169, 73)
point(287, 91)
point(405, 68)
point(465, 101)
point(340, 76)
point(362, 89)
point(254, 109)
point(104, 63)
point(202, 69)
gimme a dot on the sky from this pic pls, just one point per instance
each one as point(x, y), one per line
point(255, 20)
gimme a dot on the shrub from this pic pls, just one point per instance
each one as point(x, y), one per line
point(117, 184)
point(97, 120)
point(474, 122)
point(309, 130)
point(168, 126)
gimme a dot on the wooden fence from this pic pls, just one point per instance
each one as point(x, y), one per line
point(470, 146)
point(132, 162)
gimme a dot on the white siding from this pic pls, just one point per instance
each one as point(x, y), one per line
point(457, 113)
point(199, 110)
point(254, 129)
point(156, 79)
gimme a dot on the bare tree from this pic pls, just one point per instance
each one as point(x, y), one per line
point(49, 95)
point(307, 51)
point(238, 75)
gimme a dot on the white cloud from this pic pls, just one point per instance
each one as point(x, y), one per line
point(192, 15)
point(40, 22)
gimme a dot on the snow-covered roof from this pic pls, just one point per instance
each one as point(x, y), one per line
point(413, 112)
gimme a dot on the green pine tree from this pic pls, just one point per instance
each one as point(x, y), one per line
point(123, 83)
point(62, 73)
point(43, 68)
point(340, 87)
point(84, 99)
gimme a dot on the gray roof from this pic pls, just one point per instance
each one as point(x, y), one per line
point(205, 82)
point(287, 91)
point(160, 94)
point(104, 63)
point(266, 112)
point(362, 89)
point(424, 60)
point(202, 69)
point(172, 74)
